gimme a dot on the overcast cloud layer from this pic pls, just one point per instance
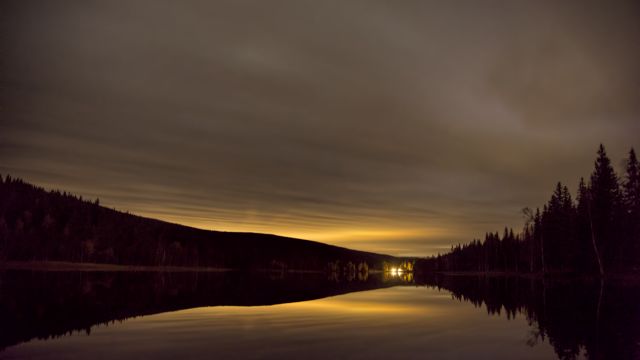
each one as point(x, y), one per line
point(398, 126)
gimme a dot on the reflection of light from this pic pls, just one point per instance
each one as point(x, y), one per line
point(396, 271)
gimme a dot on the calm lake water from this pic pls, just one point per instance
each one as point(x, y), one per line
point(276, 316)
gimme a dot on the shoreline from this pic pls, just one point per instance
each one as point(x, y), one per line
point(635, 278)
point(74, 266)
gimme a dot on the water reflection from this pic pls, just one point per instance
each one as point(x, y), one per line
point(599, 320)
point(528, 318)
point(398, 274)
point(44, 304)
point(396, 322)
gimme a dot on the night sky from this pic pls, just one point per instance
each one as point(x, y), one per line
point(392, 126)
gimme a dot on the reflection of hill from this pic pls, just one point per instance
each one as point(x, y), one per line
point(48, 304)
point(572, 315)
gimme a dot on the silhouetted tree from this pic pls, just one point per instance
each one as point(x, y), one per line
point(587, 256)
point(631, 200)
point(605, 201)
point(557, 230)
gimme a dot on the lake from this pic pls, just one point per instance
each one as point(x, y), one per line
point(314, 316)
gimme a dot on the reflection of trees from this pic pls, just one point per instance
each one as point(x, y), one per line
point(347, 271)
point(403, 277)
point(571, 315)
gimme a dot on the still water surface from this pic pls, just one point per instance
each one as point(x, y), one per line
point(380, 320)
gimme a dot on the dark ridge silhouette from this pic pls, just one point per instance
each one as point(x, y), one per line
point(598, 234)
point(601, 319)
point(48, 304)
point(39, 225)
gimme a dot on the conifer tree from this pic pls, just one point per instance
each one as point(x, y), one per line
point(631, 188)
point(631, 200)
point(605, 201)
point(582, 229)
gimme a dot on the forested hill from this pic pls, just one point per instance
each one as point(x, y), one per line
point(598, 233)
point(40, 225)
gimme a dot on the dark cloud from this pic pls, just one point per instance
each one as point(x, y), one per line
point(398, 127)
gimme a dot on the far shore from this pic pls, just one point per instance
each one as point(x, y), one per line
point(76, 266)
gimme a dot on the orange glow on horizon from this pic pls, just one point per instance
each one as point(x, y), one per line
point(363, 238)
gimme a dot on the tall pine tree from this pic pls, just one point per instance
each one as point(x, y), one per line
point(586, 253)
point(631, 199)
point(605, 206)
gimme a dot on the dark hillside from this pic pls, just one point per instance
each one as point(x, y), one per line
point(40, 225)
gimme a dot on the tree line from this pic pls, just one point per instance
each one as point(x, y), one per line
point(598, 232)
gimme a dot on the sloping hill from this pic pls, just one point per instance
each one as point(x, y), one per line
point(40, 225)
